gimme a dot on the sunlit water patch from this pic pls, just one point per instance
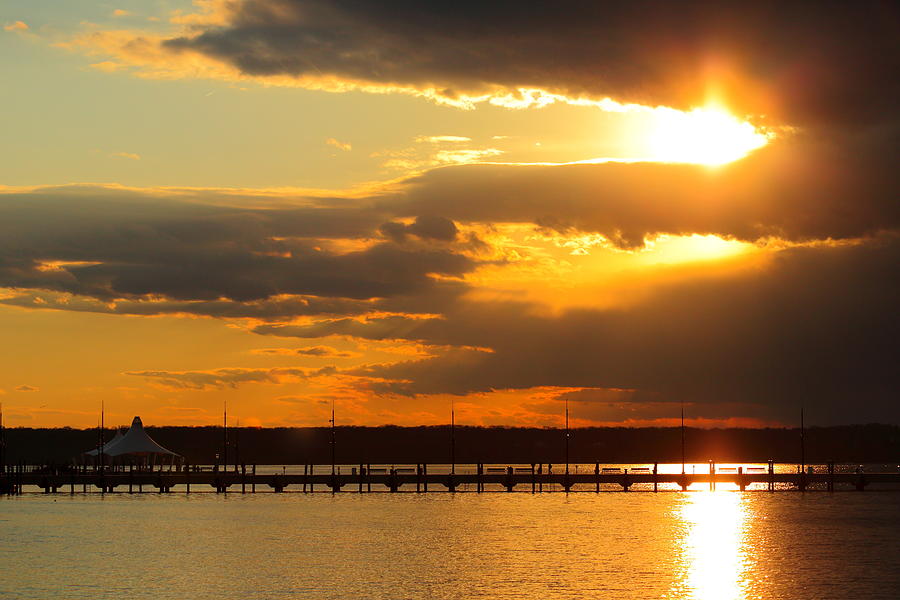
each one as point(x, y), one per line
point(713, 562)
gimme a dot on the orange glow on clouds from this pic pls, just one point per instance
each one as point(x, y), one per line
point(595, 273)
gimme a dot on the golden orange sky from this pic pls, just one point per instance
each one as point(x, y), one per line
point(499, 213)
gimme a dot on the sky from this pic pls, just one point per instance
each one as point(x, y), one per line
point(399, 210)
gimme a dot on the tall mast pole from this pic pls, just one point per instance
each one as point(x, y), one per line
point(102, 432)
point(682, 437)
point(99, 439)
point(224, 435)
point(333, 441)
point(567, 434)
point(452, 436)
point(2, 443)
point(802, 442)
point(237, 444)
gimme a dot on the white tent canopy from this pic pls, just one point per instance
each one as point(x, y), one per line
point(135, 443)
point(108, 445)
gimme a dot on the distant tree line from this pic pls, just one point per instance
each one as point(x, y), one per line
point(391, 444)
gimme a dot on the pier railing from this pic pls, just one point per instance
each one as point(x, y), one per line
point(478, 477)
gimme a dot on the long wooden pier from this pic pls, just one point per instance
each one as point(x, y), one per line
point(463, 478)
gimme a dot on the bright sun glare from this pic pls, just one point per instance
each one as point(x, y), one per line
point(714, 550)
point(666, 249)
point(708, 136)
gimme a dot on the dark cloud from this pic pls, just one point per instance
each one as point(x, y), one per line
point(804, 63)
point(625, 406)
point(432, 227)
point(315, 351)
point(381, 328)
point(817, 325)
point(123, 244)
point(382, 270)
point(324, 351)
point(221, 378)
point(436, 298)
point(266, 310)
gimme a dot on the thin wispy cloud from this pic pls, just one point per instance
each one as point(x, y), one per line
point(345, 146)
point(16, 26)
point(439, 139)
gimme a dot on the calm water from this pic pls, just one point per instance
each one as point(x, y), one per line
point(707, 545)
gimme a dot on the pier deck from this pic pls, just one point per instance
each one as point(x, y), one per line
point(417, 478)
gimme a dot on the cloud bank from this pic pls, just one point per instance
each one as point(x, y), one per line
point(832, 63)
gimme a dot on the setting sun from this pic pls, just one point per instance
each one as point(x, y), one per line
point(691, 248)
point(708, 136)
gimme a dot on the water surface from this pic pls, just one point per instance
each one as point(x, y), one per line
point(717, 546)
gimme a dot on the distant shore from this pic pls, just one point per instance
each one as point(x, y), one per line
point(874, 443)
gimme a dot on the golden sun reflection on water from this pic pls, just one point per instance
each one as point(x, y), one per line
point(713, 556)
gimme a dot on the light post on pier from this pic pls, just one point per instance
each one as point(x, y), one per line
point(2, 444)
point(333, 441)
point(102, 454)
point(224, 435)
point(802, 444)
point(682, 436)
point(452, 436)
point(567, 437)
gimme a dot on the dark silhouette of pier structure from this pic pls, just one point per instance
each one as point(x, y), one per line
point(478, 478)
